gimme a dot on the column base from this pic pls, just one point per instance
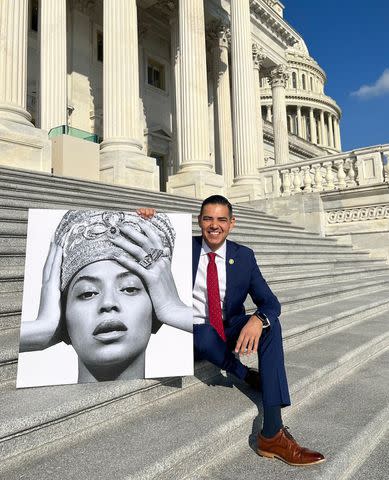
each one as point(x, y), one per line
point(24, 146)
point(123, 163)
point(197, 184)
point(249, 192)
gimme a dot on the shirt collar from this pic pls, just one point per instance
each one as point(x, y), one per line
point(220, 252)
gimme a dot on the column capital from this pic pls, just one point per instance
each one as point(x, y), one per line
point(258, 56)
point(278, 76)
point(219, 33)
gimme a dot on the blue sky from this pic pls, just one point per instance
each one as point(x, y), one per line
point(350, 41)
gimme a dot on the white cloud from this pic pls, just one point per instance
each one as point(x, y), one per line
point(380, 87)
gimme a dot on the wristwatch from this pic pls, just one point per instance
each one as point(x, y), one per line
point(265, 321)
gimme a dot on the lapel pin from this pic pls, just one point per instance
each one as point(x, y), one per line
point(231, 261)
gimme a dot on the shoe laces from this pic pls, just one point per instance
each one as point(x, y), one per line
point(286, 430)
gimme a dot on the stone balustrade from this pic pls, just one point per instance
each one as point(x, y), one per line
point(365, 166)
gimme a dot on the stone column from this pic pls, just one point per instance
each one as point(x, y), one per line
point(53, 80)
point(13, 61)
point(122, 160)
point(223, 119)
point(299, 122)
point(323, 129)
point(338, 143)
point(175, 91)
point(278, 78)
point(196, 177)
point(268, 113)
point(331, 131)
point(312, 126)
point(21, 145)
point(246, 182)
point(258, 58)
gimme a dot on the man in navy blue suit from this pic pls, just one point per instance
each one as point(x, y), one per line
point(236, 333)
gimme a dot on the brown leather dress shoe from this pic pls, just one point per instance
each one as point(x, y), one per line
point(285, 447)
point(252, 378)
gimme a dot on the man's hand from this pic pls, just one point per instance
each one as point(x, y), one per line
point(146, 213)
point(249, 336)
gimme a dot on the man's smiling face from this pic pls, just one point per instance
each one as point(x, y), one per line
point(215, 223)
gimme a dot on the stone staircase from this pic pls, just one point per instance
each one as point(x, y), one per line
point(335, 323)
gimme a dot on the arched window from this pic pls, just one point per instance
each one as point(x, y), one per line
point(303, 81)
point(294, 80)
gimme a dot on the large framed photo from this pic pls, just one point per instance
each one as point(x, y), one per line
point(107, 296)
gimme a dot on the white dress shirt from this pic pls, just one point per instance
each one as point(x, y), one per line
point(200, 297)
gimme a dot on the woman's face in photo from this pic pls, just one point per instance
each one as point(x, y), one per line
point(108, 314)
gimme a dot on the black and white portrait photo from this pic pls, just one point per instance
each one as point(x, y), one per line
point(107, 296)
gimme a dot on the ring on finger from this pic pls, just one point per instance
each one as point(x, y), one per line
point(153, 255)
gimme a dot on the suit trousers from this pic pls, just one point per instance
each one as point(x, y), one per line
point(209, 346)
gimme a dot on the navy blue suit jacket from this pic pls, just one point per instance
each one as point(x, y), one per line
point(243, 278)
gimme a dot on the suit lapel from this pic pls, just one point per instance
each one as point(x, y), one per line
point(231, 253)
point(196, 250)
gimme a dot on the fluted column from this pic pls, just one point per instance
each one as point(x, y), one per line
point(194, 96)
point(258, 58)
point(244, 110)
point(323, 129)
point(337, 135)
point(121, 75)
point(278, 78)
point(312, 126)
point(223, 119)
point(13, 61)
point(176, 91)
point(196, 176)
point(299, 122)
point(53, 80)
point(331, 131)
point(121, 158)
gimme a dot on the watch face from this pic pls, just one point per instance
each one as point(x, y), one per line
point(264, 319)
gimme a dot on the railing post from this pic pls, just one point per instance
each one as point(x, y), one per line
point(341, 174)
point(297, 180)
point(351, 172)
point(307, 179)
point(318, 186)
point(285, 183)
point(329, 176)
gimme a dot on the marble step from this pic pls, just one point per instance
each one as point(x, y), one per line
point(348, 423)
point(175, 435)
point(11, 278)
point(299, 326)
point(293, 299)
point(17, 245)
point(242, 234)
point(376, 465)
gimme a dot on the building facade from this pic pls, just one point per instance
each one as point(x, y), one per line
point(192, 97)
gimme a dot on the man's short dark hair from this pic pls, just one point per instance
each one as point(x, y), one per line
point(217, 200)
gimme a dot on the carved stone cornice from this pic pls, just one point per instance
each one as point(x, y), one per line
point(278, 76)
point(271, 21)
point(258, 56)
point(358, 214)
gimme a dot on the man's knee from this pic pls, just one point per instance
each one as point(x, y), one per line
point(205, 338)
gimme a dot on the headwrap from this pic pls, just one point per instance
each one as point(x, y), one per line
point(85, 237)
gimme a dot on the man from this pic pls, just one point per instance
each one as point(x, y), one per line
point(224, 273)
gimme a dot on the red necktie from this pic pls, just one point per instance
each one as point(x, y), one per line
point(214, 307)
